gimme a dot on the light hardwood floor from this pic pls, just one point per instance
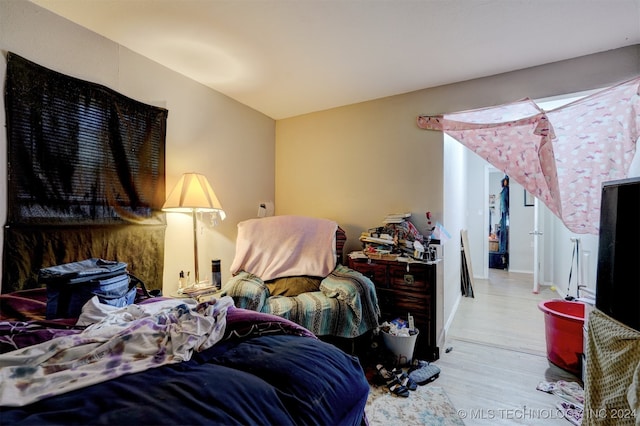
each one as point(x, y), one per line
point(498, 355)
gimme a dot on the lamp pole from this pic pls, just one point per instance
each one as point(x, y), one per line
point(195, 245)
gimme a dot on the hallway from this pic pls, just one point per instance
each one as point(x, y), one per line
point(498, 355)
point(503, 313)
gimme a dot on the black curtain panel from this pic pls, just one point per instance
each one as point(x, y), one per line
point(86, 170)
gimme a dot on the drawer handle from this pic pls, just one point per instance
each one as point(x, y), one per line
point(409, 279)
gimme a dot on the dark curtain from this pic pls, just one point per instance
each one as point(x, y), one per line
point(85, 176)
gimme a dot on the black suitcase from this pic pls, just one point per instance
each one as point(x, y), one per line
point(71, 285)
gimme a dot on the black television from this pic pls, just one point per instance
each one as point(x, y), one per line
point(618, 273)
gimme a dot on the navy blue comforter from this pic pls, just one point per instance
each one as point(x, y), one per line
point(263, 373)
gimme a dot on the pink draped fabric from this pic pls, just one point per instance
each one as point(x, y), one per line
point(561, 156)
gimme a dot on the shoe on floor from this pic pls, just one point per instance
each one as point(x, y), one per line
point(392, 382)
point(423, 372)
point(404, 379)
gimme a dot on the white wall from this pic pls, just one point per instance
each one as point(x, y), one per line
point(563, 259)
point(521, 223)
point(477, 186)
point(207, 132)
point(455, 220)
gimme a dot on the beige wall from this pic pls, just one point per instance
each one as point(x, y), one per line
point(207, 132)
point(357, 163)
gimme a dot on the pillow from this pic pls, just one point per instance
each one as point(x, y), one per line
point(293, 286)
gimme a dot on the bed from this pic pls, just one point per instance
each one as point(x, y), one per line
point(207, 363)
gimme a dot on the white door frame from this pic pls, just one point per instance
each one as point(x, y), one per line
point(485, 241)
point(537, 247)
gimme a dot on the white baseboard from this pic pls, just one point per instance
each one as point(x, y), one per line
point(445, 329)
point(521, 271)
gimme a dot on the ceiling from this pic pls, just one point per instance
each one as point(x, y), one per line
point(290, 57)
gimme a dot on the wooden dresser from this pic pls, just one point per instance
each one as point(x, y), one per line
point(406, 288)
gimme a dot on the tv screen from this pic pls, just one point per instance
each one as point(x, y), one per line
point(618, 274)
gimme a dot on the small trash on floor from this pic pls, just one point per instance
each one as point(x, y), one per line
point(571, 392)
point(572, 398)
point(571, 412)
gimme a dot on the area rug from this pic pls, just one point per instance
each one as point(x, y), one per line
point(428, 405)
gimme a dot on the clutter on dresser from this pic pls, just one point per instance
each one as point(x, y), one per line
point(397, 238)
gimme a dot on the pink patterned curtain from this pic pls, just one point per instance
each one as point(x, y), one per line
point(561, 156)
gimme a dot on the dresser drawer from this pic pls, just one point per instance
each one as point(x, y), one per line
point(399, 304)
point(411, 303)
point(402, 289)
point(386, 302)
point(416, 278)
point(375, 272)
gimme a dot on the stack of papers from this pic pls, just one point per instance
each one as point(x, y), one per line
point(396, 217)
point(199, 291)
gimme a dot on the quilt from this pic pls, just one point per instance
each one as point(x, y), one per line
point(346, 304)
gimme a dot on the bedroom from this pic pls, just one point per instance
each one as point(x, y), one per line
point(209, 132)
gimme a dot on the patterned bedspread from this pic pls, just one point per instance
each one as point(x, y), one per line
point(346, 304)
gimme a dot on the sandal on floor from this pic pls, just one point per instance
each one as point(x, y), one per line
point(404, 379)
point(397, 389)
point(392, 382)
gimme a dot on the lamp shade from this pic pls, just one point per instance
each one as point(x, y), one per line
point(193, 192)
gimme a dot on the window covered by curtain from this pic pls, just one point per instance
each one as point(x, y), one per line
point(561, 156)
point(85, 174)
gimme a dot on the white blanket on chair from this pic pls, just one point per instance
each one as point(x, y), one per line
point(285, 246)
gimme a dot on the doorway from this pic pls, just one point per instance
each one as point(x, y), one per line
point(472, 213)
point(519, 248)
point(498, 220)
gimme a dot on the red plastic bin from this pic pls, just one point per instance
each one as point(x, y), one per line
point(564, 321)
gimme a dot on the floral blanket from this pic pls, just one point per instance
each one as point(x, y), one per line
point(126, 340)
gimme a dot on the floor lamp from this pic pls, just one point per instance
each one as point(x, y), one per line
point(193, 194)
